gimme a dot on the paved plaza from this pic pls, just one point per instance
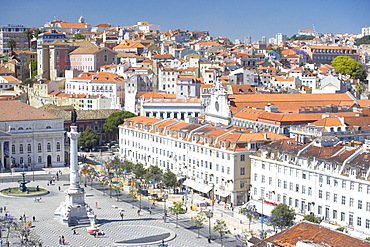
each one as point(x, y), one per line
point(146, 229)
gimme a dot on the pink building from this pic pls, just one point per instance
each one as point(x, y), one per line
point(90, 59)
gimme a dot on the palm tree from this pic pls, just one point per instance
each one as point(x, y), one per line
point(28, 34)
point(11, 43)
point(36, 32)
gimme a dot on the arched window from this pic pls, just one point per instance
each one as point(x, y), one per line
point(20, 128)
point(48, 147)
point(39, 149)
point(58, 158)
point(39, 159)
point(21, 160)
point(21, 148)
point(29, 160)
point(48, 127)
point(29, 149)
point(58, 146)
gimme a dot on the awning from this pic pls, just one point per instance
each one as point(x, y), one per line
point(205, 189)
point(265, 209)
point(198, 186)
point(222, 193)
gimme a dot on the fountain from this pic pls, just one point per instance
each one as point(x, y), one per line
point(22, 183)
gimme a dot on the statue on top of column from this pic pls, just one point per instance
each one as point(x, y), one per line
point(73, 116)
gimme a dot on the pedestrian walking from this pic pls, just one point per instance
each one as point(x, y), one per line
point(96, 204)
point(59, 188)
point(60, 240)
point(138, 212)
point(121, 214)
point(74, 232)
point(63, 240)
point(102, 233)
point(33, 218)
point(94, 234)
point(5, 209)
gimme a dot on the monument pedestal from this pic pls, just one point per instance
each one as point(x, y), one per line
point(74, 211)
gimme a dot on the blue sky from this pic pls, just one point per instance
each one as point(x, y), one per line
point(232, 19)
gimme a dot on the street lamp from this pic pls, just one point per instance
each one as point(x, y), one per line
point(209, 215)
point(165, 196)
point(110, 176)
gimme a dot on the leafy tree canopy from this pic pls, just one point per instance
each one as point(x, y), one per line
point(311, 218)
point(139, 171)
point(363, 40)
point(302, 37)
point(282, 216)
point(115, 119)
point(78, 36)
point(36, 32)
point(153, 172)
point(348, 66)
point(89, 138)
point(169, 178)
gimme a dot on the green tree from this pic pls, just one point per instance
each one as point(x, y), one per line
point(88, 139)
point(282, 216)
point(250, 212)
point(78, 36)
point(221, 228)
point(11, 44)
point(363, 40)
point(28, 34)
point(177, 208)
point(301, 37)
point(33, 66)
point(36, 32)
point(154, 173)
point(115, 119)
point(170, 179)
point(311, 218)
point(198, 220)
point(348, 66)
point(139, 171)
point(368, 238)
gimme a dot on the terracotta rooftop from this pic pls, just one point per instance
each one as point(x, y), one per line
point(306, 231)
point(12, 110)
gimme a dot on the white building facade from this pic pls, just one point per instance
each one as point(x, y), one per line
point(325, 178)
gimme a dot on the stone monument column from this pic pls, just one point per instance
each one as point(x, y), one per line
point(74, 179)
point(74, 211)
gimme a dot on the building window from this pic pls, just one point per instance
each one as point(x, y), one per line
point(343, 184)
point(58, 158)
point(242, 157)
point(21, 149)
point(39, 147)
point(279, 182)
point(319, 210)
point(327, 196)
point(48, 147)
point(290, 186)
point(29, 148)
point(351, 202)
point(285, 184)
point(242, 184)
point(270, 180)
point(368, 206)
point(359, 204)
point(297, 188)
point(352, 186)
point(303, 189)
point(263, 179)
point(255, 177)
point(342, 216)
point(290, 201)
point(320, 193)
point(296, 203)
point(367, 224)
point(343, 200)
point(242, 171)
point(39, 159)
point(335, 198)
point(58, 146)
point(13, 149)
point(335, 214)
point(309, 191)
